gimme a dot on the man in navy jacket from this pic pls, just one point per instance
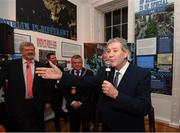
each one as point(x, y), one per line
point(122, 108)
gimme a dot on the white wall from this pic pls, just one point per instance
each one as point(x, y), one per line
point(8, 9)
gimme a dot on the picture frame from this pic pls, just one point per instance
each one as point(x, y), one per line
point(18, 39)
point(70, 49)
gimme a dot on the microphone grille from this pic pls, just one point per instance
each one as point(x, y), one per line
point(108, 64)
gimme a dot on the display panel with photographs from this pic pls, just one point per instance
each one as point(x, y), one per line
point(43, 55)
point(56, 17)
point(154, 33)
point(18, 39)
point(93, 55)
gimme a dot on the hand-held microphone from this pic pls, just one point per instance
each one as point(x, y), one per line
point(108, 69)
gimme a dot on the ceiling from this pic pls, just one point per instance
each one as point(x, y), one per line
point(108, 6)
point(113, 5)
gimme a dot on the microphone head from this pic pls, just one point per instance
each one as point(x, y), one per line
point(108, 65)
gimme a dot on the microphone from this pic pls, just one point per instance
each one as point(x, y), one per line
point(107, 69)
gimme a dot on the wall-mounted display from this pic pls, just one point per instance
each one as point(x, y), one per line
point(18, 39)
point(43, 53)
point(93, 55)
point(154, 33)
point(62, 63)
point(145, 61)
point(69, 49)
point(55, 17)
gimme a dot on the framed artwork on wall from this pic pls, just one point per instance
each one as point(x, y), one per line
point(18, 39)
point(69, 49)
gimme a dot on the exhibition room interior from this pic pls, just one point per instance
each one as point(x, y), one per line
point(83, 27)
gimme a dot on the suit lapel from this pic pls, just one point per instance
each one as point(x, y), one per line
point(21, 73)
point(82, 72)
point(124, 82)
point(35, 76)
point(111, 75)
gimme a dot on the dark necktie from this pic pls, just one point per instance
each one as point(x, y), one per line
point(115, 82)
point(77, 73)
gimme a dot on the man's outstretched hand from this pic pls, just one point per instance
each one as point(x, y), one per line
point(49, 73)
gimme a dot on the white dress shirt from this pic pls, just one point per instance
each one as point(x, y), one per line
point(122, 71)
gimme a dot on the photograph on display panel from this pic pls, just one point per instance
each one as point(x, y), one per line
point(56, 17)
point(154, 33)
point(93, 55)
point(18, 39)
point(43, 53)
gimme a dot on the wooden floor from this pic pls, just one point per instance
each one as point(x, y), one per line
point(160, 127)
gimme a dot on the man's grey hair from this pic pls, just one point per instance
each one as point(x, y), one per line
point(122, 41)
point(23, 44)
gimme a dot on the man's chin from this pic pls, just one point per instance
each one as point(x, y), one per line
point(112, 65)
point(31, 57)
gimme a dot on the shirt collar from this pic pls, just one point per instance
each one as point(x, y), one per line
point(25, 61)
point(79, 71)
point(123, 69)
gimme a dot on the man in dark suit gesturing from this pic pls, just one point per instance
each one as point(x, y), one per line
point(125, 98)
point(25, 93)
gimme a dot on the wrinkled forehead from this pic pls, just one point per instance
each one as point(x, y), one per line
point(113, 45)
point(79, 60)
point(27, 47)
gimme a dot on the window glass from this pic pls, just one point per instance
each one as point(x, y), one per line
point(124, 31)
point(124, 15)
point(116, 24)
point(108, 19)
point(116, 17)
point(116, 31)
point(108, 33)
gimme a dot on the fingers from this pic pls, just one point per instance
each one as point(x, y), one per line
point(52, 65)
point(41, 72)
point(42, 75)
point(107, 87)
point(41, 68)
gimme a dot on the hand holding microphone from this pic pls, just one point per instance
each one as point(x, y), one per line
point(108, 69)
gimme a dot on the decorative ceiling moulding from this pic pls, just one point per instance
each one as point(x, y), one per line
point(110, 5)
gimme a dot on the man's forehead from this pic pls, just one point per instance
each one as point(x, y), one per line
point(28, 47)
point(76, 60)
point(114, 46)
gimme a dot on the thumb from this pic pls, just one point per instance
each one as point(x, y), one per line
point(52, 65)
point(55, 68)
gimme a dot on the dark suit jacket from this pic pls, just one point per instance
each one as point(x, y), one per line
point(127, 111)
point(82, 95)
point(15, 92)
point(55, 94)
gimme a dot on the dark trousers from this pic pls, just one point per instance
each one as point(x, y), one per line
point(30, 120)
point(56, 104)
point(2, 114)
point(78, 117)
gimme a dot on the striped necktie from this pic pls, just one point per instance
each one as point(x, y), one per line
point(115, 81)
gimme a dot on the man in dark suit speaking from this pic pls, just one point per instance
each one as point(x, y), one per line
point(25, 93)
point(125, 98)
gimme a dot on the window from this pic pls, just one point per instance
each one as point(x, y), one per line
point(116, 23)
